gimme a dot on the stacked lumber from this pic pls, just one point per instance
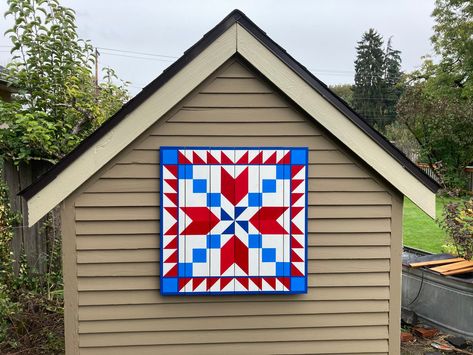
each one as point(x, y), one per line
point(450, 266)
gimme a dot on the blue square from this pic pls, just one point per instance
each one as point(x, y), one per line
point(283, 269)
point(299, 156)
point(169, 284)
point(298, 284)
point(168, 156)
point(199, 255)
point(185, 172)
point(185, 269)
point(283, 171)
point(213, 241)
point(255, 199)
point(269, 185)
point(269, 255)
point(254, 240)
point(199, 185)
point(213, 199)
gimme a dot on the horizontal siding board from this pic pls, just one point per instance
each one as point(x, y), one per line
point(115, 297)
point(184, 310)
point(236, 100)
point(142, 268)
point(236, 85)
point(152, 213)
point(248, 322)
point(152, 282)
point(152, 255)
point(355, 225)
point(231, 115)
point(236, 70)
point(367, 346)
point(229, 336)
point(146, 184)
point(152, 199)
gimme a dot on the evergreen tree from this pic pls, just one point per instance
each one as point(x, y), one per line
point(377, 74)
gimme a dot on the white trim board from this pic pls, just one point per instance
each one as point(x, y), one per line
point(235, 39)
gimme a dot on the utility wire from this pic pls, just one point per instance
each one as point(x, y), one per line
point(141, 53)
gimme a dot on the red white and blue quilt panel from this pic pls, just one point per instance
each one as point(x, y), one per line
point(233, 220)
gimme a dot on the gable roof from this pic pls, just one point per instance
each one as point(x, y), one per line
point(235, 34)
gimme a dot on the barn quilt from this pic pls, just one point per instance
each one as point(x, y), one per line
point(233, 220)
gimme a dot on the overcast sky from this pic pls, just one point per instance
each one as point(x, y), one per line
point(320, 34)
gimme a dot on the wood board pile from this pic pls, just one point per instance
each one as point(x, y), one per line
point(447, 267)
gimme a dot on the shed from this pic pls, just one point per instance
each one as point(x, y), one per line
point(237, 98)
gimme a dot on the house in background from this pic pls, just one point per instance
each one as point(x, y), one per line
point(6, 89)
point(234, 88)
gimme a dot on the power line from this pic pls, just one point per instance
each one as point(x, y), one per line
point(141, 53)
point(137, 57)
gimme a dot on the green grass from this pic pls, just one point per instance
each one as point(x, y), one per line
point(420, 231)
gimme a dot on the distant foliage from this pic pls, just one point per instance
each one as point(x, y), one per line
point(377, 76)
point(437, 105)
point(458, 222)
point(344, 91)
point(58, 102)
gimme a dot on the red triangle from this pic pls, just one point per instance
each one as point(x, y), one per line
point(295, 229)
point(295, 196)
point(295, 258)
point(172, 230)
point(243, 281)
point(197, 159)
point(172, 169)
point(183, 282)
point(295, 183)
point(172, 258)
point(224, 281)
point(172, 183)
point(256, 281)
point(258, 159)
point(295, 271)
point(295, 211)
point(243, 159)
point(171, 196)
point(295, 169)
point(211, 281)
point(271, 281)
point(172, 211)
point(172, 271)
point(197, 281)
point(172, 244)
point(271, 159)
point(211, 159)
point(286, 159)
point(225, 159)
point(295, 243)
point(286, 281)
point(182, 159)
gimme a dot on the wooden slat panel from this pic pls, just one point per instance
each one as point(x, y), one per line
point(225, 336)
point(356, 282)
point(152, 199)
point(312, 142)
point(236, 85)
point(353, 225)
point(319, 267)
point(314, 253)
point(150, 295)
point(367, 346)
point(224, 114)
point(236, 70)
point(248, 322)
point(236, 100)
point(152, 213)
point(184, 310)
point(341, 184)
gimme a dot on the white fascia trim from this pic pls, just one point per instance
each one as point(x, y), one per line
point(332, 119)
point(150, 111)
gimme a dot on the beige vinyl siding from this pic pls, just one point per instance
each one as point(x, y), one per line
point(346, 310)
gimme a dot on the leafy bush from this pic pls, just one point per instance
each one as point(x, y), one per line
point(458, 222)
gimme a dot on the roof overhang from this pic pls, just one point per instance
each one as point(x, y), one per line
point(236, 34)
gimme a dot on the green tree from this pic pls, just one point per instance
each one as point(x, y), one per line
point(345, 91)
point(377, 74)
point(58, 102)
point(437, 106)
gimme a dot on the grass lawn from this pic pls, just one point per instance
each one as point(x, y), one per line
point(420, 231)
